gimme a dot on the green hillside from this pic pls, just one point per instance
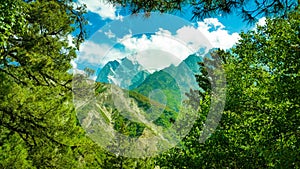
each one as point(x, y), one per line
point(127, 122)
point(173, 82)
point(164, 82)
point(160, 115)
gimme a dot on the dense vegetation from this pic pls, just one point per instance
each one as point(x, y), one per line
point(260, 126)
point(161, 115)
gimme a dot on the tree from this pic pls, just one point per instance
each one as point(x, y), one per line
point(259, 126)
point(262, 96)
point(201, 9)
point(38, 123)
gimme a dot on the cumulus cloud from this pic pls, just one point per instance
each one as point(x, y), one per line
point(74, 69)
point(211, 23)
point(98, 54)
point(219, 37)
point(192, 38)
point(104, 9)
point(150, 47)
point(74, 64)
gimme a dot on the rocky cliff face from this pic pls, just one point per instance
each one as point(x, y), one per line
point(124, 73)
point(107, 71)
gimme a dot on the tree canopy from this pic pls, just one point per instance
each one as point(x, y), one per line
point(38, 124)
point(249, 10)
point(260, 124)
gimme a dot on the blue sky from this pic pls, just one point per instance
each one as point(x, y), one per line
point(115, 34)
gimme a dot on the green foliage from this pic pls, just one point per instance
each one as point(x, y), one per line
point(262, 92)
point(202, 9)
point(13, 151)
point(38, 122)
point(260, 123)
point(126, 127)
point(164, 119)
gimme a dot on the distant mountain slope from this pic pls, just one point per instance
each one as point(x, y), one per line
point(173, 81)
point(185, 72)
point(165, 83)
point(123, 73)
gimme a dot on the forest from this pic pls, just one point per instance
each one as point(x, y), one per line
point(41, 128)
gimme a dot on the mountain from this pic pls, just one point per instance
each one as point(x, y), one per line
point(124, 73)
point(107, 71)
point(185, 72)
point(173, 82)
point(151, 108)
point(112, 101)
point(164, 83)
point(110, 114)
point(192, 63)
point(167, 86)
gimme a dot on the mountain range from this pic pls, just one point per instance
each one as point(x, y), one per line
point(167, 86)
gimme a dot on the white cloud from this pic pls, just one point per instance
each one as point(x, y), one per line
point(109, 34)
point(192, 38)
point(161, 40)
point(156, 49)
point(98, 54)
point(163, 32)
point(153, 60)
point(74, 64)
point(261, 21)
point(220, 37)
point(101, 7)
point(74, 69)
point(211, 22)
point(210, 33)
